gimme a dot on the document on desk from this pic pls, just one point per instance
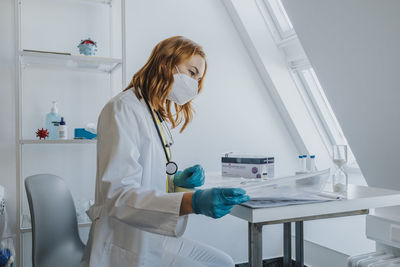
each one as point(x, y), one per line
point(281, 191)
point(285, 194)
point(293, 199)
point(271, 203)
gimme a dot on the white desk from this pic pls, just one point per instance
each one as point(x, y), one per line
point(359, 200)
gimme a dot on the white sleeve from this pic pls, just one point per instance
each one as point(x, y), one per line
point(121, 176)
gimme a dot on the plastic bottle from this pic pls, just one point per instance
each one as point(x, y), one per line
point(312, 163)
point(62, 130)
point(300, 167)
point(304, 163)
point(52, 120)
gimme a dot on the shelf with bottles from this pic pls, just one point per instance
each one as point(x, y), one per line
point(67, 61)
point(104, 2)
point(101, 2)
point(58, 141)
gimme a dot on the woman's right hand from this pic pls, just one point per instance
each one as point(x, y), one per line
point(217, 202)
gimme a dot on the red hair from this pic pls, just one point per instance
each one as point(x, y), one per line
point(154, 80)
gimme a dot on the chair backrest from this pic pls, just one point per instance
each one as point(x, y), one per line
point(55, 236)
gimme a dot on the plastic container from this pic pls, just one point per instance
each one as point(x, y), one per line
point(315, 183)
point(62, 130)
point(300, 164)
point(304, 168)
point(308, 183)
point(52, 120)
point(312, 163)
point(7, 251)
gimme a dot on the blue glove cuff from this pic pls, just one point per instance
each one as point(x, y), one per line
point(194, 203)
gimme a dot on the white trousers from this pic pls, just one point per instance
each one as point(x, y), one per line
point(181, 252)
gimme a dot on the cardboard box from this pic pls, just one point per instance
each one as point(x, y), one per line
point(247, 166)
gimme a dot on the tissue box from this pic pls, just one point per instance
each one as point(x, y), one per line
point(81, 133)
point(247, 166)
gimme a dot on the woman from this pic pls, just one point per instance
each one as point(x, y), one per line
point(137, 219)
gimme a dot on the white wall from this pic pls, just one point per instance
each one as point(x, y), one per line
point(354, 48)
point(272, 64)
point(50, 26)
point(273, 68)
point(7, 117)
point(234, 112)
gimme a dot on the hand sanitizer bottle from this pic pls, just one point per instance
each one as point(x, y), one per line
point(52, 120)
point(62, 130)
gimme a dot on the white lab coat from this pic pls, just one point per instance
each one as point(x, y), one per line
point(132, 214)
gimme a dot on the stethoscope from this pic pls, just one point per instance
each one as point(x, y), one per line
point(171, 166)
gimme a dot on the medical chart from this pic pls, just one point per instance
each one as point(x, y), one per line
point(280, 191)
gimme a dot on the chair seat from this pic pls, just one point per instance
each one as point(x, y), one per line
point(67, 255)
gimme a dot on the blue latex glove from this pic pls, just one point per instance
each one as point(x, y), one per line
point(190, 177)
point(217, 202)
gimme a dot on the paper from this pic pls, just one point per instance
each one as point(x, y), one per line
point(282, 191)
point(283, 180)
point(271, 203)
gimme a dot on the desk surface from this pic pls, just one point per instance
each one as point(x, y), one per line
point(359, 200)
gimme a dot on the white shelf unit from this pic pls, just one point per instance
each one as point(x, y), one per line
point(73, 62)
point(28, 59)
point(66, 141)
point(101, 2)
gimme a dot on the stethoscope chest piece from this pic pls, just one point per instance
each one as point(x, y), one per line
point(172, 168)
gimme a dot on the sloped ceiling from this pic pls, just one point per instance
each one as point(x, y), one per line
point(354, 47)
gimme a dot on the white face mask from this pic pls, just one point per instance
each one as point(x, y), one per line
point(183, 89)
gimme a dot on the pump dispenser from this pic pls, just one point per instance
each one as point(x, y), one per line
point(54, 108)
point(62, 129)
point(52, 121)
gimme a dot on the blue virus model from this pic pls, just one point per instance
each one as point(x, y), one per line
point(87, 47)
point(6, 258)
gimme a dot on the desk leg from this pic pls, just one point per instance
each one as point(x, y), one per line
point(299, 244)
point(255, 245)
point(287, 244)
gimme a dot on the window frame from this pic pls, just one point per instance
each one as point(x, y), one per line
point(283, 40)
point(272, 21)
point(310, 105)
point(321, 118)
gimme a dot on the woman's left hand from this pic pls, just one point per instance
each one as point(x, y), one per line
point(191, 177)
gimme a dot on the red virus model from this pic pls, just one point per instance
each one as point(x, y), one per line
point(42, 133)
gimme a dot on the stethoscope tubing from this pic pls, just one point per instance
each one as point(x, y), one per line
point(160, 137)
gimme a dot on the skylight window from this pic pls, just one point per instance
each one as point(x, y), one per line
point(323, 109)
point(280, 18)
point(285, 37)
point(310, 80)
